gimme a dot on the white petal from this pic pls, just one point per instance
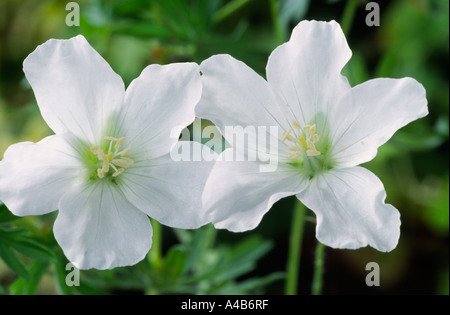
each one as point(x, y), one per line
point(98, 228)
point(238, 194)
point(235, 95)
point(379, 108)
point(159, 104)
point(170, 191)
point(305, 71)
point(34, 176)
point(75, 88)
point(350, 209)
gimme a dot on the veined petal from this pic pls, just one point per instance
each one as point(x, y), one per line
point(75, 88)
point(34, 176)
point(98, 228)
point(235, 95)
point(158, 105)
point(350, 209)
point(305, 71)
point(238, 194)
point(379, 108)
point(170, 191)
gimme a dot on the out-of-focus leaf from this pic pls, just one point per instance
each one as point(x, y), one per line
point(251, 284)
point(436, 199)
point(228, 9)
point(141, 29)
point(20, 241)
point(232, 262)
point(34, 249)
point(355, 70)
point(10, 258)
point(173, 265)
point(293, 10)
point(202, 239)
point(29, 286)
point(250, 249)
point(6, 215)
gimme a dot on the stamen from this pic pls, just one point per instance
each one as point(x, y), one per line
point(121, 163)
point(312, 152)
point(125, 152)
point(105, 168)
point(113, 159)
point(311, 145)
point(119, 143)
point(303, 142)
point(315, 137)
point(118, 172)
point(111, 139)
point(128, 160)
point(286, 135)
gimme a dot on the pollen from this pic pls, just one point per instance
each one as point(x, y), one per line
point(301, 140)
point(115, 160)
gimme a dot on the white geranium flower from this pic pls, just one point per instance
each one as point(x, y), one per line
point(108, 165)
point(327, 128)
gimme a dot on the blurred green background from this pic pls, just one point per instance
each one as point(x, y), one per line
point(412, 40)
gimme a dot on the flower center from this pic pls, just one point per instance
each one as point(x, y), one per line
point(309, 150)
point(301, 140)
point(114, 162)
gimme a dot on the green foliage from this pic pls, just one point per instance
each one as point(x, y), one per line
point(15, 241)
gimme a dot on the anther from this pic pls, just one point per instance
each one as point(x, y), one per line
point(118, 172)
point(112, 159)
point(303, 142)
point(286, 135)
point(121, 163)
point(119, 143)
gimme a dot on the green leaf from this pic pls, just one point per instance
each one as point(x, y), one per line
point(250, 249)
point(174, 263)
point(12, 261)
point(246, 286)
point(34, 249)
point(20, 241)
point(29, 286)
point(6, 215)
point(203, 238)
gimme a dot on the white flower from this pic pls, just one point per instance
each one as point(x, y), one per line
point(108, 165)
point(327, 128)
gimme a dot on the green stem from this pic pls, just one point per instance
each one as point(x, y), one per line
point(280, 31)
point(318, 269)
point(348, 15)
point(295, 245)
point(155, 254)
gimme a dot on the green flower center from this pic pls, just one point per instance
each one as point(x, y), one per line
point(309, 148)
point(114, 162)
